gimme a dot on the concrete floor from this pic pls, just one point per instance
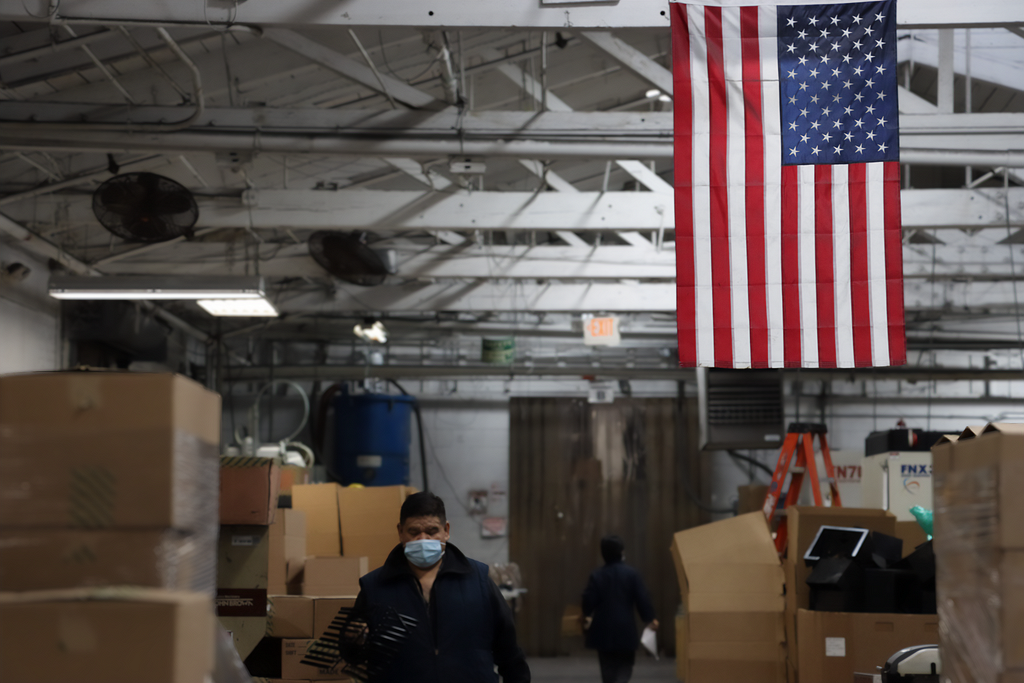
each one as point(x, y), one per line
point(580, 669)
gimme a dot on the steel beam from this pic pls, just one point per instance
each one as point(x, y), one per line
point(631, 58)
point(440, 262)
point(349, 68)
point(526, 14)
point(464, 210)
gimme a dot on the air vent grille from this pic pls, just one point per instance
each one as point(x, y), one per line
point(742, 409)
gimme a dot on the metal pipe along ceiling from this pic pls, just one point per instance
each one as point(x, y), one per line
point(101, 141)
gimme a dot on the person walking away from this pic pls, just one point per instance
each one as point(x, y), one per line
point(464, 628)
point(611, 595)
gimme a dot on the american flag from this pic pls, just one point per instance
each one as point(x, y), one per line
point(788, 244)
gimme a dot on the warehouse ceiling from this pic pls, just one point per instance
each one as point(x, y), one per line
point(513, 167)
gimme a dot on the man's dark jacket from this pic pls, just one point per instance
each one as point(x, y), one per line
point(465, 631)
point(610, 596)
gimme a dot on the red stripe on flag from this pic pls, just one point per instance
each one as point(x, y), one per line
point(757, 290)
point(894, 264)
point(860, 293)
point(718, 181)
point(790, 267)
point(824, 268)
point(686, 279)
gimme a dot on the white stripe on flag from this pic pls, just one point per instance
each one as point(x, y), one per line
point(732, 46)
point(841, 264)
point(808, 268)
point(876, 263)
point(767, 18)
point(701, 187)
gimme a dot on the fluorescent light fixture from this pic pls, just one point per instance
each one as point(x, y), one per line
point(371, 331)
point(152, 288)
point(653, 93)
point(664, 98)
point(239, 308)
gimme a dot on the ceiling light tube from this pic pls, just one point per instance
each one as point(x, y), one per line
point(239, 308)
point(152, 288)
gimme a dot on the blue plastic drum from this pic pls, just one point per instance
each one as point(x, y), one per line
point(371, 439)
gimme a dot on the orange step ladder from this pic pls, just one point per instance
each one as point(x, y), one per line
point(799, 441)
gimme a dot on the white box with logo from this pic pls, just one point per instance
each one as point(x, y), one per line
point(897, 481)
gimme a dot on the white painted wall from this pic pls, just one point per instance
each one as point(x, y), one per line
point(29, 319)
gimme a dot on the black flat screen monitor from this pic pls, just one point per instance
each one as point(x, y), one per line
point(836, 541)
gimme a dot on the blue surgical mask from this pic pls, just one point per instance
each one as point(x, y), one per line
point(424, 553)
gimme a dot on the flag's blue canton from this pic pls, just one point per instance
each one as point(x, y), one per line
point(837, 72)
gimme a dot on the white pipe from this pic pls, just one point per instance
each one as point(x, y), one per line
point(362, 145)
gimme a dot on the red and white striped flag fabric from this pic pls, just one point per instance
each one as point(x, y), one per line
point(788, 235)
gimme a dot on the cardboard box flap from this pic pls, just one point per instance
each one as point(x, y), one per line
point(1010, 428)
point(946, 438)
point(971, 431)
point(739, 540)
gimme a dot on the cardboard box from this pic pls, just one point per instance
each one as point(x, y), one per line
point(333, 575)
point(369, 520)
point(249, 488)
point(287, 552)
point(324, 611)
point(243, 567)
point(107, 450)
point(803, 523)
point(834, 645)
point(292, 652)
point(323, 525)
point(1011, 574)
point(732, 626)
point(736, 662)
point(43, 559)
point(361, 522)
point(106, 636)
point(1000, 446)
point(290, 616)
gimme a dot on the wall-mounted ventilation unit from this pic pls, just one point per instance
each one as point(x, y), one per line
point(740, 408)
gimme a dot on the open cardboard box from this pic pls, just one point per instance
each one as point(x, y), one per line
point(803, 523)
point(732, 585)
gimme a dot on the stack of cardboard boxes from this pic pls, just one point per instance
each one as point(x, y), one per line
point(979, 551)
point(108, 521)
point(300, 607)
point(832, 646)
point(731, 625)
point(351, 520)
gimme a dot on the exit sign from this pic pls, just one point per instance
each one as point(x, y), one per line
point(601, 331)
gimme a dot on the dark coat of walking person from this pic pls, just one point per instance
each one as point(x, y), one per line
point(613, 593)
point(463, 629)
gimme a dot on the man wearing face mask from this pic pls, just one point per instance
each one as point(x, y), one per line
point(464, 627)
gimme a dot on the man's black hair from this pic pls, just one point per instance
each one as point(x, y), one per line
point(611, 548)
point(422, 504)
